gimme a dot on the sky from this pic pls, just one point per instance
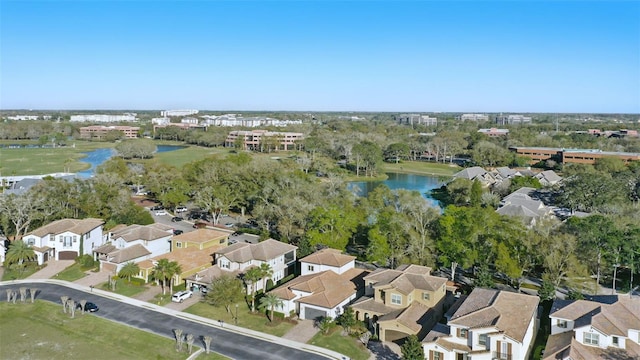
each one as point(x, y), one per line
point(396, 56)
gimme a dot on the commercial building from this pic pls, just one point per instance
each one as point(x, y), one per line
point(168, 113)
point(256, 139)
point(99, 131)
point(512, 119)
point(416, 119)
point(240, 121)
point(493, 132)
point(472, 117)
point(126, 117)
point(579, 156)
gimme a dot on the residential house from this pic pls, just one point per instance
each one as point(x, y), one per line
point(65, 239)
point(485, 177)
point(520, 204)
point(193, 251)
point(133, 243)
point(329, 282)
point(485, 325)
point(604, 327)
point(401, 302)
point(548, 178)
point(237, 258)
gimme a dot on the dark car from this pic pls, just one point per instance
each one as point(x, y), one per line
point(176, 219)
point(177, 232)
point(159, 207)
point(88, 307)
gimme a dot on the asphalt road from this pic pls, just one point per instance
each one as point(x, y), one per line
point(231, 344)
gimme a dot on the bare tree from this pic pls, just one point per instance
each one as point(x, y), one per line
point(14, 296)
point(72, 307)
point(64, 303)
point(207, 343)
point(179, 339)
point(190, 339)
point(9, 295)
point(23, 294)
point(33, 292)
point(83, 303)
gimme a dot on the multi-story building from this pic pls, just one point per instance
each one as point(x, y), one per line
point(401, 302)
point(494, 132)
point(485, 325)
point(65, 239)
point(161, 121)
point(100, 131)
point(604, 327)
point(240, 121)
point(189, 120)
point(416, 119)
point(581, 156)
point(512, 119)
point(28, 117)
point(472, 117)
point(169, 113)
point(126, 117)
point(255, 139)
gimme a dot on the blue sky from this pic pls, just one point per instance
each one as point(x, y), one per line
point(503, 56)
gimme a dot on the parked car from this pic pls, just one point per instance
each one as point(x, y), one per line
point(157, 207)
point(177, 232)
point(176, 219)
point(88, 307)
point(160, 212)
point(229, 225)
point(181, 209)
point(181, 296)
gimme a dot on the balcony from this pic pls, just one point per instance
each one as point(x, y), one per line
point(501, 356)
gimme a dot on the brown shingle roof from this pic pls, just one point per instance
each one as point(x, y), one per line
point(76, 226)
point(104, 249)
point(190, 258)
point(328, 256)
point(507, 311)
point(201, 236)
point(128, 253)
point(265, 251)
point(209, 274)
point(139, 232)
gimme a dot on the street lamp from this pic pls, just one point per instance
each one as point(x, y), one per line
point(236, 314)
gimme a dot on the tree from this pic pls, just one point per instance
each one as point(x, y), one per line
point(207, 343)
point(397, 151)
point(64, 300)
point(332, 226)
point(270, 302)
point(412, 349)
point(225, 291)
point(33, 292)
point(164, 271)
point(347, 320)
point(484, 278)
point(18, 252)
point(324, 324)
point(128, 270)
point(179, 338)
point(83, 304)
point(547, 289)
point(252, 276)
point(190, 339)
point(475, 196)
point(266, 272)
point(23, 293)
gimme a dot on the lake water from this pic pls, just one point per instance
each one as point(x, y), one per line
point(420, 183)
point(97, 157)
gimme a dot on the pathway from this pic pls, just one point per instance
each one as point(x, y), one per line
point(53, 267)
point(302, 332)
point(94, 278)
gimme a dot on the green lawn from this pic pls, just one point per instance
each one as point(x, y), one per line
point(257, 321)
point(346, 345)
point(43, 331)
point(422, 168)
point(43, 161)
point(125, 288)
point(10, 273)
point(72, 273)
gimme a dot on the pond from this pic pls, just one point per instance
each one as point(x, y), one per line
point(420, 183)
point(97, 157)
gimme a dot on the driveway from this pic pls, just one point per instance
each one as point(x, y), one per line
point(53, 267)
point(228, 342)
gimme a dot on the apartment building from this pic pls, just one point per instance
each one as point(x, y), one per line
point(416, 119)
point(255, 139)
point(100, 131)
point(187, 112)
point(126, 117)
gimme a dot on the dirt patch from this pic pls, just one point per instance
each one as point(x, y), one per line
point(144, 202)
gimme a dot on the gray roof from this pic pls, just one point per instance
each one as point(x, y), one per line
point(470, 173)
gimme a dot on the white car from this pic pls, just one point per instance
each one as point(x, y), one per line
point(160, 212)
point(181, 209)
point(180, 296)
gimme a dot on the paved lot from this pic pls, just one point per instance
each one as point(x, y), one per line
point(302, 332)
point(232, 344)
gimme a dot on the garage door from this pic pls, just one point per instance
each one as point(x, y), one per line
point(312, 314)
point(67, 255)
point(107, 267)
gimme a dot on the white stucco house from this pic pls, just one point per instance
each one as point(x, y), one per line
point(65, 239)
point(604, 327)
point(327, 259)
point(133, 243)
point(485, 325)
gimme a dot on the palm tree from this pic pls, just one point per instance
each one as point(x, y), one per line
point(270, 301)
point(128, 270)
point(19, 251)
point(173, 269)
point(267, 272)
point(252, 276)
point(161, 272)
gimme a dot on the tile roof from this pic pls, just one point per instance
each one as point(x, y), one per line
point(209, 274)
point(76, 226)
point(370, 304)
point(328, 256)
point(470, 173)
point(412, 316)
point(406, 279)
point(265, 251)
point(201, 236)
point(139, 232)
point(327, 289)
point(508, 312)
point(611, 318)
point(190, 258)
point(128, 254)
point(104, 249)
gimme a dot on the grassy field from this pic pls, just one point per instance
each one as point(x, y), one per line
point(37, 161)
point(13, 274)
point(124, 287)
point(257, 321)
point(72, 273)
point(43, 331)
point(422, 168)
point(343, 344)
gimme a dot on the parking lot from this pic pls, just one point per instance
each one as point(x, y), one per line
point(185, 225)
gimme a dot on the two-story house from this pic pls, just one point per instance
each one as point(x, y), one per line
point(485, 325)
point(604, 327)
point(65, 239)
point(133, 243)
point(328, 283)
point(238, 257)
point(401, 302)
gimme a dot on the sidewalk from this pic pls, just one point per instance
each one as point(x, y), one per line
point(53, 267)
point(302, 332)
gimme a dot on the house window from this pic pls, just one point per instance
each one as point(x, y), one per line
point(67, 241)
point(178, 244)
point(591, 339)
point(616, 341)
point(482, 339)
point(437, 355)
point(426, 296)
point(310, 268)
point(31, 241)
point(75, 239)
point(463, 333)
point(562, 324)
point(396, 299)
